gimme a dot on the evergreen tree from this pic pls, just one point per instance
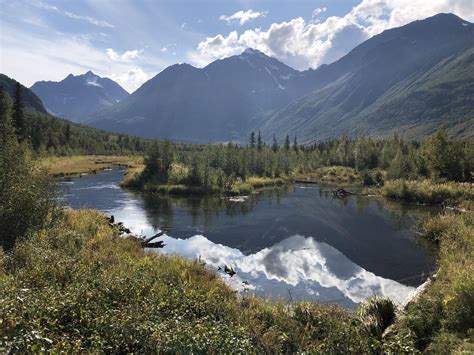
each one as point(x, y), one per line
point(274, 144)
point(26, 202)
point(295, 144)
point(287, 142)
point(19, 115)
point(68, 133)
point(252, 140)
point(259, 141)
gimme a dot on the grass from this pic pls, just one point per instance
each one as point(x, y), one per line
point(442, 320)
point(78, 287)
point(254, 183)
point(239, 187)
point(87, 164)
point(330, 175)
point(428, 192)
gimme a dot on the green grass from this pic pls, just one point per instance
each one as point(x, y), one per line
point(428, 192)
point(254, 183)
point(78, 287)
point(239, 187)
point(442, 320)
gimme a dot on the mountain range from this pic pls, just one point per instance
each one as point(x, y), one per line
point(409, 79)
point(79, 97)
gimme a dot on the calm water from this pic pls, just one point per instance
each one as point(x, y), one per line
point(297, 242)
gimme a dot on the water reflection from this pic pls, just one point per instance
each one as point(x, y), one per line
point(352, 248)
point(306, 268)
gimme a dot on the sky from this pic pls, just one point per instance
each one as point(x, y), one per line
point(130, 41)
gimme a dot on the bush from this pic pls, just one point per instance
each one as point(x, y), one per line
point(373, 177)
point(376, 314)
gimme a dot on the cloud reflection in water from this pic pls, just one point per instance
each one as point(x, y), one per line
point(306, 268)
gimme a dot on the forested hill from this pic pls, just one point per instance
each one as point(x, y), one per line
point(30, 100)
point(49, 135)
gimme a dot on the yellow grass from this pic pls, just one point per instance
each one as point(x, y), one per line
point(329, 175)
point(86, 164)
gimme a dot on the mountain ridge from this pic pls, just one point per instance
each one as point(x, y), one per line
point(77, 97)
point(357, 94)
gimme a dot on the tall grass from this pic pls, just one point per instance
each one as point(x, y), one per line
point(428, 192)
point(442, 320)
point(78, 287)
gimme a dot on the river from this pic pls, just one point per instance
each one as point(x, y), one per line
point(296, 242)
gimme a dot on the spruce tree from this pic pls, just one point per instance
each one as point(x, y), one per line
point(274, 144)
point(19, 115)
point(295, 144)
point(259, 141)
point(252, 140)
point(287, 142)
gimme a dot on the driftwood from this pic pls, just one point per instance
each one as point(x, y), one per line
point(145, 242)
point(341, 193)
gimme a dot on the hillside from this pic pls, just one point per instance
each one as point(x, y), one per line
point(414, 77)
point(49, 135)
point(215, 103)
point(78, 97)
point(30, 100)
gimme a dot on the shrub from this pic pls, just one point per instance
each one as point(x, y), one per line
point(376, 314)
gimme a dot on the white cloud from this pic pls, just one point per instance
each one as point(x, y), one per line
point(53, 57)
point(304, 44)
point(319, 10)
point(124, 57)
point(184, 25)
point(89, 19)
point(132, 79)
point(74, 16)
point(243, 16)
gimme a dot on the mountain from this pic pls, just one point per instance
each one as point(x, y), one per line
point(409, 79)
point(49, 135)
point(215, 103)
point(79, 97)
point(30, 100)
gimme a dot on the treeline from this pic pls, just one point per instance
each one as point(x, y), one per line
point(48, 135)
point(27, 197)
point(218, 167)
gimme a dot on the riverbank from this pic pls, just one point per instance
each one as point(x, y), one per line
point(78, 286)
point(87, 164)
point(442, 319)
point(427, 192)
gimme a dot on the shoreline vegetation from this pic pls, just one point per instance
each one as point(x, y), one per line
point(69, 282)
point(87, 164)
point(95, 300)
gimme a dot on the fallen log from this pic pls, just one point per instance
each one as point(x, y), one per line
point(340, 193)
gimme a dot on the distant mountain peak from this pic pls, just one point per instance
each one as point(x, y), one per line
point(252, 51)
point(77, 97)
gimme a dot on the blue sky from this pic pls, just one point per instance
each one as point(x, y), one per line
point(130, 41)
